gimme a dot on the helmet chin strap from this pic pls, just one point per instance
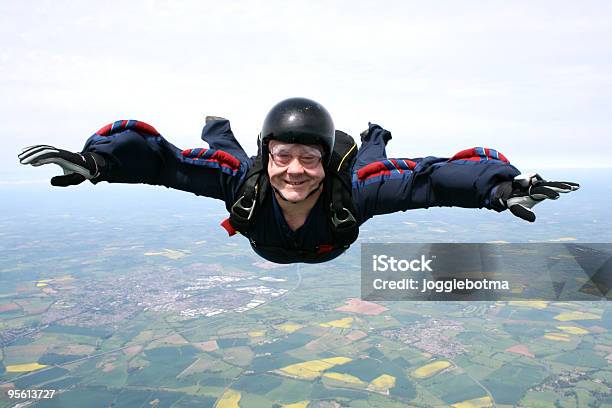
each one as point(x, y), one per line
point(295, 202)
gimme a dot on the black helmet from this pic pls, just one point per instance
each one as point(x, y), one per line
point(298, 120)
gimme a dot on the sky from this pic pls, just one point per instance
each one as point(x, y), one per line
point(530, 79)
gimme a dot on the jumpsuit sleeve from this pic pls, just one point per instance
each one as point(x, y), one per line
point(464, 180)
point(134, 152)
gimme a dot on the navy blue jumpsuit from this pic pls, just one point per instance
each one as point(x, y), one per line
point(136, 153)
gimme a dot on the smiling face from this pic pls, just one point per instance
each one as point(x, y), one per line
point(295, 170)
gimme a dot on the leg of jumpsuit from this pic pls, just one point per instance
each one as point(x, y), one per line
point(219, 136)
point(372, 149)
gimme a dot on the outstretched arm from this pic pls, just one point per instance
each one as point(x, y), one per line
point(469, 179)
point(134, 152)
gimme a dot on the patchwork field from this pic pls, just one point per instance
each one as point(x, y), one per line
point(154, 319)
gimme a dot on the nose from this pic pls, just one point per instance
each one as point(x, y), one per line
point(295, 167)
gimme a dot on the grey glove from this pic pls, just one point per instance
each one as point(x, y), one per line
point(77, 167)
point(527, 190)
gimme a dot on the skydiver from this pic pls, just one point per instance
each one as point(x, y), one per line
point(305, 194)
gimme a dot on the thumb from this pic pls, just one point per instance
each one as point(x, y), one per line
point(71, 179)
point(523, 212)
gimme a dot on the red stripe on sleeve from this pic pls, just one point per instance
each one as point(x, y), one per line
point(471, 155)
point(411, 165)
point(105, 130)
point(464, 154)
point(146, 128)
point(370, 169)
point(224, 158)
point(394, 161)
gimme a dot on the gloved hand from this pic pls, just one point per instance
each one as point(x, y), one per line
point(77, 167)
point(527, 190)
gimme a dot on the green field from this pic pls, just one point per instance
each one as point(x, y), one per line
point(131, 330)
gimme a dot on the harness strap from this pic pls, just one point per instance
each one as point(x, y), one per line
point(344, 224)
point(341, 215)
point(250, 197)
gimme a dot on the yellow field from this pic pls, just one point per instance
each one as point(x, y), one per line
point(536, 304)
point(289, 327)
point(301, 404)
point(229, 399)
point(383, 383)
point(518, 289)
point(256, 333)
point(313, 368)
point(430, 369)
point(568, 316)
point(62, 278)
point(484, 402)
point(340, 323)
point(573, 329)
point(45, 282)
point(565, 304)
point(347, 378)
point(24, 368)
point(557, 336)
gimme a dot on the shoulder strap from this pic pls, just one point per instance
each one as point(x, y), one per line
point(250, 197)
point(342, 211)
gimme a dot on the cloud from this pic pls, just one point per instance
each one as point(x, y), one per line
point(528, 79)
